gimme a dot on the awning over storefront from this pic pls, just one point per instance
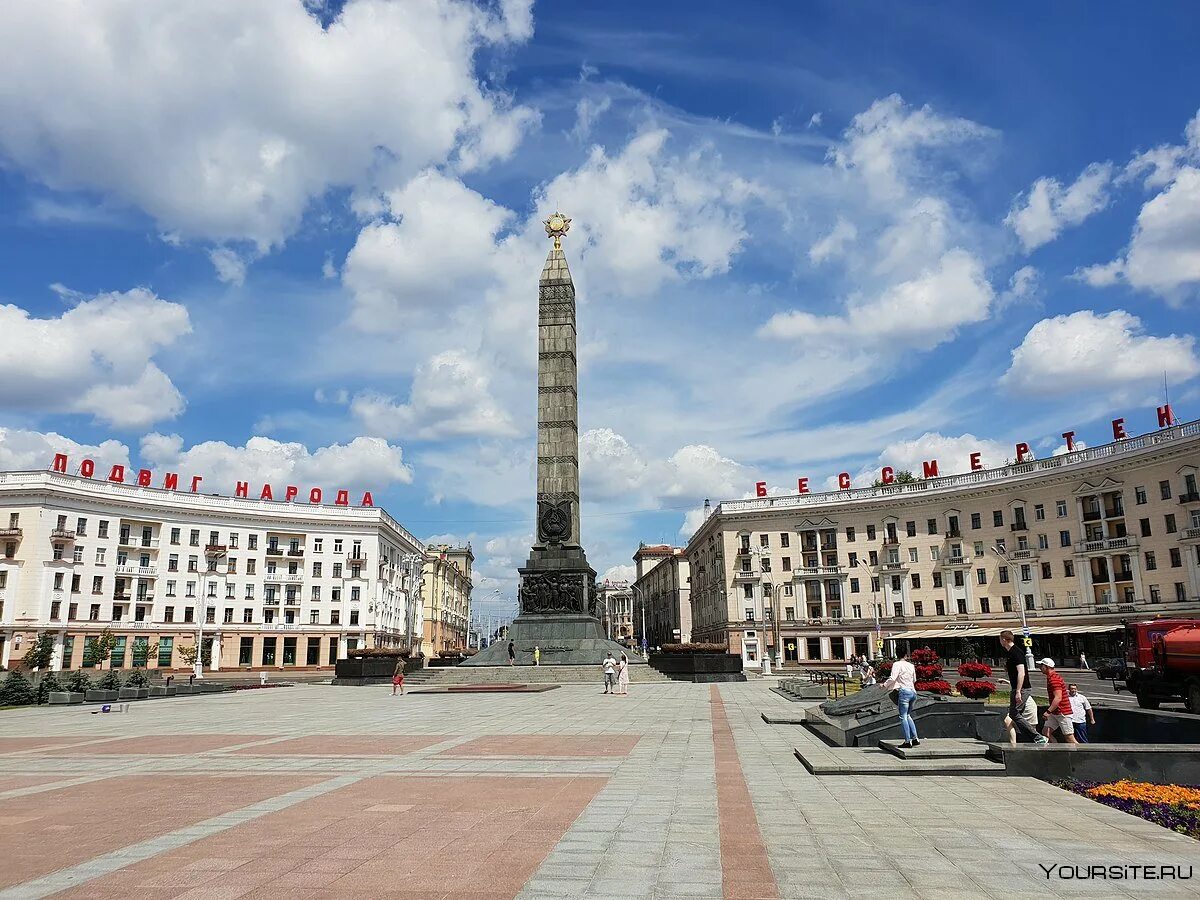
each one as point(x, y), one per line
point(994, 631)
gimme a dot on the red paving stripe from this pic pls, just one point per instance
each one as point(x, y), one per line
point(389, 835)
point(344, 745)
point(745, 870)
point(25, 744)
point(67, 826)
point(605, 746)
point(158, 744)
point(13, 782)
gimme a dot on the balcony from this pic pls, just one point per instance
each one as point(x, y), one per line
point(144, 598)
point(62, 536)
point(271, 601)
point(1190, 534)
point(1123, 576)
point(216, 549)
point(120, 598)
point(891, 540)
point(293, 578)
point(10, 534)
point(750, 575)
point(953, 534)
point(950, 562)
point(274, 551)
point(1019, 526)
point(816, 571)
point(1105, 545)
point(894, 567)
point(1024, 553)
point(829, 547)
point(352, 558)
point(295, 553)
point(1189, 497)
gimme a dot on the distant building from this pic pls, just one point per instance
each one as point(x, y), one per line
point(446, 597)
point(615, 606)
point(663, 586)
point(1078, 542)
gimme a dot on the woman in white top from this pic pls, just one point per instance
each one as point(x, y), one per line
point(904, 679)
point(623, 675)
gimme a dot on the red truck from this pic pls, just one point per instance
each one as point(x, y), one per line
point(1162, 660)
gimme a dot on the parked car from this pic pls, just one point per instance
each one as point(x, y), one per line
point(1108, 669)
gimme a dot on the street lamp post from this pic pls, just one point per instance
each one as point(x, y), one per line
point(1025, 635)
point(874, 605)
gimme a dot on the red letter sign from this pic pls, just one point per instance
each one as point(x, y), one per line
point(314, 496)
point(1069, 437)
point(844, 481)
point(367, 500)
point(117, 474)
point(976, 464)
point(60, 463)
point(171, 481)
point(196, 479)
point(802, 485)
point(266, 493)
point(87, 468)
point(1166, 416)
point(289, 493)
point(1022, 451)
point(887, 475)
point(242, 489)
point(1119, 429)
point(343, 498)
point(760, 488)
point(930, 468)
point(143, 478)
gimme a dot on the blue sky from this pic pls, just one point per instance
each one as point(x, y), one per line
point(299, 242)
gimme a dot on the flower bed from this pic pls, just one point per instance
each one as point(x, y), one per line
point(974, 682)
point(694, 648)
point(934, 687)
point(1172, 806)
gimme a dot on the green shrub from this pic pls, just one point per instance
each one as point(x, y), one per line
point(47, 683)
point(78, 682)
point(138, 679)
point(17, 691)
point(110, 682)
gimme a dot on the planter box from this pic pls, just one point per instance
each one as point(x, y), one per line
point(185, 689)
point(162, 690)
point(372, 669)
point(699, 666)
point(210, 687)
point(98, 696)
point(133, 693)
point(65, 698)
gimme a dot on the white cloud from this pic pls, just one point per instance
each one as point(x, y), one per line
point(1101, 274)
point(1041, 215)
point(96, 358)
point(882, 143)
point(608, 466)
point(1164, 255)
point(1022, 286)
point(814, 121)
point(1159, 166)
point(238, 150)
point(365, 463)
point(1085, 351)
point(833, 244)
point(697, 471)
point(22, 450)
point(953, 454)
point(587, 111)
point(624, 572)
point(450, 397)
point(1062, 450)
point(230, 267)
point(919, 314)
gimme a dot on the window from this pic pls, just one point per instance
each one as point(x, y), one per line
point(1026, 573)
point(1170, 522)
point(874, 584)
point(849, 534)
point(897, 584)
point(1060, 508)
point(316, 570)
point(910, 529)
point(784, 540)
point(1155, 594)
point(935, 553)
point(335, 594)
point(1003, 573)
point(1180, 592)
point(1046, 570)
point(316, 593)
point(1176, 559)
point(354, 593)
point(1139, 494)
point(228, 614)
point(981, 576)
point(252, 541)
point(959, 579)
point(764, 540)
point(250, 566)
point(194, 538)
point(1069, 568)
point(854, 586)
point(787, 564)
point(952, 522)
point(318, 545)
point(233, 540)
point(1064, 539)
point(337, 570)
point(268, 651)
point(193, 564)
point(937, 579)
point(998, 518)
point(175, 536)
point(870, 532)
point(247, 616)
point(169, 614)
point(249, 592)
point(75, 579)
point(166, 648)
point(337, 545)
point(58, 581)
point(766, 566)
point(312, 617)
point(931, 526)
point(918, 608)
point(873, 558)
point(912, 554)
point(916, 581)
point(189, 614)
point(1164, 490)
point(1151, 562)
point(335, 617)
point(1144, 524)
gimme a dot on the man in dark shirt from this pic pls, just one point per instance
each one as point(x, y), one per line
point(1021, 707)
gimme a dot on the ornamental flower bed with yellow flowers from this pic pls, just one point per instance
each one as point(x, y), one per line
point(1172, 806)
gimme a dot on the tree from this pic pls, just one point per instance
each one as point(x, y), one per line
point(40, 652)
point(16, 691)
point(48, 683)
point(103, 647)
point(78, 682)
point(188, 653)
point(904, 476)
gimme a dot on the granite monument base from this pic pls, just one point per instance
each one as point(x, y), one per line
point(870, 716)
point(564, 640)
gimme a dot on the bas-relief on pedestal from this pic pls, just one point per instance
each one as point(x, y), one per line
point(557, 593)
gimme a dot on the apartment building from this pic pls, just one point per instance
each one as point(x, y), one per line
point(1076, 542)
point(446, 597)
point(259, 584)
point(614, 605)
point(663, 589)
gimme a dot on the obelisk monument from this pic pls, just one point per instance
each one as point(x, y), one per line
point(557, 586)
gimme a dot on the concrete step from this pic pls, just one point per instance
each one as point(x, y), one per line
point(821, 760)
point(938, 748)
point(641, 674)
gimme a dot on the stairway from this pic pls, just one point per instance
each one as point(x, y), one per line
point(528, 675)
point(935, 756)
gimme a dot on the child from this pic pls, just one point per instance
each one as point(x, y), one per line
point(398, 678)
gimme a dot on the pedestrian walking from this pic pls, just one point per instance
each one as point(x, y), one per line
point(512, 654)
point(398, 678)
point(1022, 710)
point(1058, 714)
point(537, 655)
point(1083, 661)
point(868, 676)
point(1081, 713)
point(609, 667)
point(623, 675)
point(904, 680)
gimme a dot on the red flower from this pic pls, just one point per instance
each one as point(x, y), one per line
point(977, 690)
point(975, 670)
point(934, 687)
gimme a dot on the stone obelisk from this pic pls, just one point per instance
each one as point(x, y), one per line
point(557, 586)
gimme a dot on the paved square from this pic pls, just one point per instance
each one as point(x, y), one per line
point(678, 791)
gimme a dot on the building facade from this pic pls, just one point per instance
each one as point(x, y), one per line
point(615, 606)
point(1077, 542)
point(663, 588)
point(258, 584)
point(446, 597)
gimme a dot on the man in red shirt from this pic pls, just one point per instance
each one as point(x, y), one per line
point(1058, 713)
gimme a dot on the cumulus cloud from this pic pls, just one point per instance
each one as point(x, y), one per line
point(608, 466)
point(96, 358)
point(920, 313)
point(22, 450)
point(953, 453)
point(450, 397)
point(237, 151)
point(587, 111)
point(365, 463)
point(626, 573)
point(230, 267)
point(833, 244)
point(1086, 351)
point(1039, 216)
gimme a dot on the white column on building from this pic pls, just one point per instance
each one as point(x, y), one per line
point(56, 659)
point(215, 653)
point(821, 598)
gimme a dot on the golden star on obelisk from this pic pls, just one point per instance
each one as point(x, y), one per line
point(556, 226)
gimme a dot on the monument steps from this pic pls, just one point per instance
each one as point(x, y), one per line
point(939, 748)
point(535, 675)
point(821, 760)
